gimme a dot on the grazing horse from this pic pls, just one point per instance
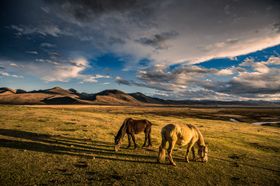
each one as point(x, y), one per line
point(182, 135)
point(131, 127)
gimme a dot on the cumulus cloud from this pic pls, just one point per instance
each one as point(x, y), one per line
point(250, 80)
point(92, 78)
point(225, 72)
point(52, 70)
point(64, 72)
point(162, 78)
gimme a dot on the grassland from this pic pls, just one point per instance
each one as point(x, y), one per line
point(73, 145)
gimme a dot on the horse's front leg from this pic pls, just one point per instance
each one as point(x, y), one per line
point(133, 139)
point(170, 150)
point(129, 140)
point(189, 147)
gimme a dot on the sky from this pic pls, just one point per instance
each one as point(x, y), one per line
point(171, 49)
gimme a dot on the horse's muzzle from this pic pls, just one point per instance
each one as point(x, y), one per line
point(117, 147)
point(205, 159)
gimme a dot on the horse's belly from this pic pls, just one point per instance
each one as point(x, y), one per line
point(182, 142)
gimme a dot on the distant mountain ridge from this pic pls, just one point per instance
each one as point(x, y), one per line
point(58, 95)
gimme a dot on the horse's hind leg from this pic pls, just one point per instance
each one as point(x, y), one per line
point(193, 153)
point(162, 149)
point(170, 150)
point(133, 139)
point(146, 137)
point(149, 138)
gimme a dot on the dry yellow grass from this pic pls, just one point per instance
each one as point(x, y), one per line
point(73, 145)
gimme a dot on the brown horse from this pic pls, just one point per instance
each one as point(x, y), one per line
point(132, 127)
point(183, 135)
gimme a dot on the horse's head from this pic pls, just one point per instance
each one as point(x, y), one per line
point(121, 133)
point(117, 143)
point(203, 153)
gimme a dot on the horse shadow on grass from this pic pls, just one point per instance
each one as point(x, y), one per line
point(62, 145)
point(84, 148)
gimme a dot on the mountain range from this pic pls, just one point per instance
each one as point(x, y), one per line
point(58, 95)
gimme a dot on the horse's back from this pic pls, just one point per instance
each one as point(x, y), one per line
point(141, 125)
point(183, 134)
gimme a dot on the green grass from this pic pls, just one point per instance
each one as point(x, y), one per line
point(73, 145)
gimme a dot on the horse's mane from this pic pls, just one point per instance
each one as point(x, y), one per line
point(123, 128)
point(201, 141)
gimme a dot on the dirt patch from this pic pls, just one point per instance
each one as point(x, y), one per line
point(264, 147)
point(237, 156)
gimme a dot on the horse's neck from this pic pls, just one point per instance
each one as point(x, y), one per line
point(122, 130)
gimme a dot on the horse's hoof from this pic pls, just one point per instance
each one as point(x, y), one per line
point(174, 164)
point(188, 161)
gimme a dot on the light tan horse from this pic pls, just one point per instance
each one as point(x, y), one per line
point(183, 135)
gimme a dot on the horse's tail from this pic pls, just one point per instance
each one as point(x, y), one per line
point(165, 133)
point(161, 151)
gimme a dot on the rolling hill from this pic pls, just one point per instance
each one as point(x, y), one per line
point(58, 95)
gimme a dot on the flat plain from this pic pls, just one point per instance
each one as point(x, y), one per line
point(73, 145)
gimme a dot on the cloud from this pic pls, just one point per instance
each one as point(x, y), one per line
point(259, 78)
point(225, 72)
point(249, 80)
point(88, 10)
point(165, 33)
point(277, 27)
point(44, 30)
point(92, 78)
point(14, 65)
point(189, 31)
point(162, 78)
point(6, 74)
point(52, 71)
point(158, 41)
point(47, 45)
point(32, 52)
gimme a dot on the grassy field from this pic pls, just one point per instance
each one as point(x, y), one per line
point(73, 145)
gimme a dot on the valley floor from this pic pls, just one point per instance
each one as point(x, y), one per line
point(73, 145)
